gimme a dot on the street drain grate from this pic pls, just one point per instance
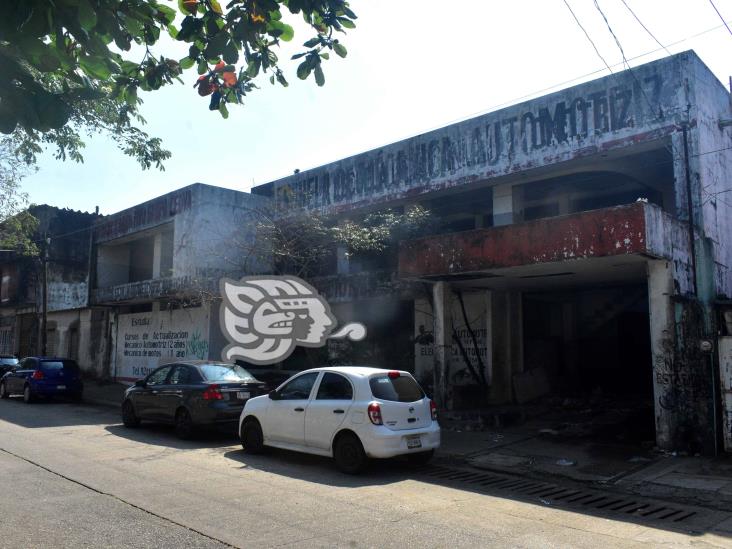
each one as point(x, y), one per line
point(551, 493)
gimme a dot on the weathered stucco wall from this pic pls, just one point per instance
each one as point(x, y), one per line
point(216, 235)
point(711, 167)
point(598, 233)
point(620, 110)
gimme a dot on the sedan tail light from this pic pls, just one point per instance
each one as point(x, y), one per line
point(375, 413)
point(433, 410)
point(213, 392)
point(37, 375)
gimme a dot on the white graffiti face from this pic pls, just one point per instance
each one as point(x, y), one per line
point(265, 318)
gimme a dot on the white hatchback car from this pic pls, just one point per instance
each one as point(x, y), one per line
point(351, 413)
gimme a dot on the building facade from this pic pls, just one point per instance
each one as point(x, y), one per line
point(156, 272)
point(63, 238)
point(583, 249)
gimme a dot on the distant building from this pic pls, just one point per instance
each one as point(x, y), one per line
point(21, 289)
point(584, 248)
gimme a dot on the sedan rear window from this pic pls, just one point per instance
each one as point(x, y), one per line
point(225, 372)
point(56, 365)
point(8, 361)
point(398, 389)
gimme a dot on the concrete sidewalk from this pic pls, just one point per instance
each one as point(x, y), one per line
point(537, 453)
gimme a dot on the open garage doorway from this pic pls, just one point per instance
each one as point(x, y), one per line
point(592, 348)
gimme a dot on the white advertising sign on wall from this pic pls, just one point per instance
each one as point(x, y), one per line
point(147, 340)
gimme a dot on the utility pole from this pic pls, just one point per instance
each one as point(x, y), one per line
point(44, 310)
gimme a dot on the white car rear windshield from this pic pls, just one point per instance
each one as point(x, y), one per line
point(397, 389)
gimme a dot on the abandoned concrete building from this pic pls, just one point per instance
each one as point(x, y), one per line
point(156, 269)
point(583, 250)
point(21, 290)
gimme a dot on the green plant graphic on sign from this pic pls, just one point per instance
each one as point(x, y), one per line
point(197, 346)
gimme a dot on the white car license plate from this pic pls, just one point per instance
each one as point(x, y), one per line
point(414, 441)
point(60, 387)
point(242, 395)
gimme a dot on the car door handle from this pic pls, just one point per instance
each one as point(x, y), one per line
point(339, 411)
point(299, 409)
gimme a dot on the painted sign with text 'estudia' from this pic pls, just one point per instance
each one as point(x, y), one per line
point(147, 340)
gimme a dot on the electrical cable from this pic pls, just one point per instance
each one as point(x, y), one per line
point(566, 3)
point(644, 27)
point(720, 16)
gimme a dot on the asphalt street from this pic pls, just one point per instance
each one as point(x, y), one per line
point(73, 476)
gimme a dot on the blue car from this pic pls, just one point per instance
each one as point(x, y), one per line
point(43, 376)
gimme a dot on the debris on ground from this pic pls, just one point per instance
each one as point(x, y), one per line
point(566, 462)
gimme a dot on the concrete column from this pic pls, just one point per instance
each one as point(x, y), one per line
point(663, 335)
point(502, 205)
point(157, 255)
point(443, 340)
point(505, 343)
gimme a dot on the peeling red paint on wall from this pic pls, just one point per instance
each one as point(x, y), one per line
point(598, 233)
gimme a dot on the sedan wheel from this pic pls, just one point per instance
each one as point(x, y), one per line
point(349, 454)
point(183, 424)
point(3, 391)
point(27, 395)
point(129, 418)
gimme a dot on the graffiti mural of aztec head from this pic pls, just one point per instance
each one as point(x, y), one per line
point(266, 317)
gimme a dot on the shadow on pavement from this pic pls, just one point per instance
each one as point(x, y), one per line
point(55, 412)
point(322, 470)
point(157, 434)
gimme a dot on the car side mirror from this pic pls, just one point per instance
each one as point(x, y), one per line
point(274, 395)
point(140, 383)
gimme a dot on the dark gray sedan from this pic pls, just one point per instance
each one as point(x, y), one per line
point(191, 394)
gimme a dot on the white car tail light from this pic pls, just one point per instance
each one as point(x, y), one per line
point(374, 411)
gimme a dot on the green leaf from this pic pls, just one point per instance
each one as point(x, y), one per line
point(346, 23)
point(340, 49)
point(283, 31)
point(231, 55)
point(202, 67)
point(299, 55)
point(95, 67)
point(319, 76)
point(325, 55)
point(215, 6)
point(303, 70)
point(312, 42)
point(87, 15)
point(173, 32)
point(281, 79)
point(167, 12)
point(187, 63)
point(223, 110)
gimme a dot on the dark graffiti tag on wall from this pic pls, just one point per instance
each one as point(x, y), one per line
point(528, 135)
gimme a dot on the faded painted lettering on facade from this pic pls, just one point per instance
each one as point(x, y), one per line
point(146, 340)
point(532, 134)
point(147, 214)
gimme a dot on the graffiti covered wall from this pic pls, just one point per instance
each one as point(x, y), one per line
point(147, 340)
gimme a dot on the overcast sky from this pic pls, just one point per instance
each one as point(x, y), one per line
point(412, 66)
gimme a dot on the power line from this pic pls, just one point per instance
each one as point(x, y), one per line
point(587, 35)
point(644, 27)
point(720, 16)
